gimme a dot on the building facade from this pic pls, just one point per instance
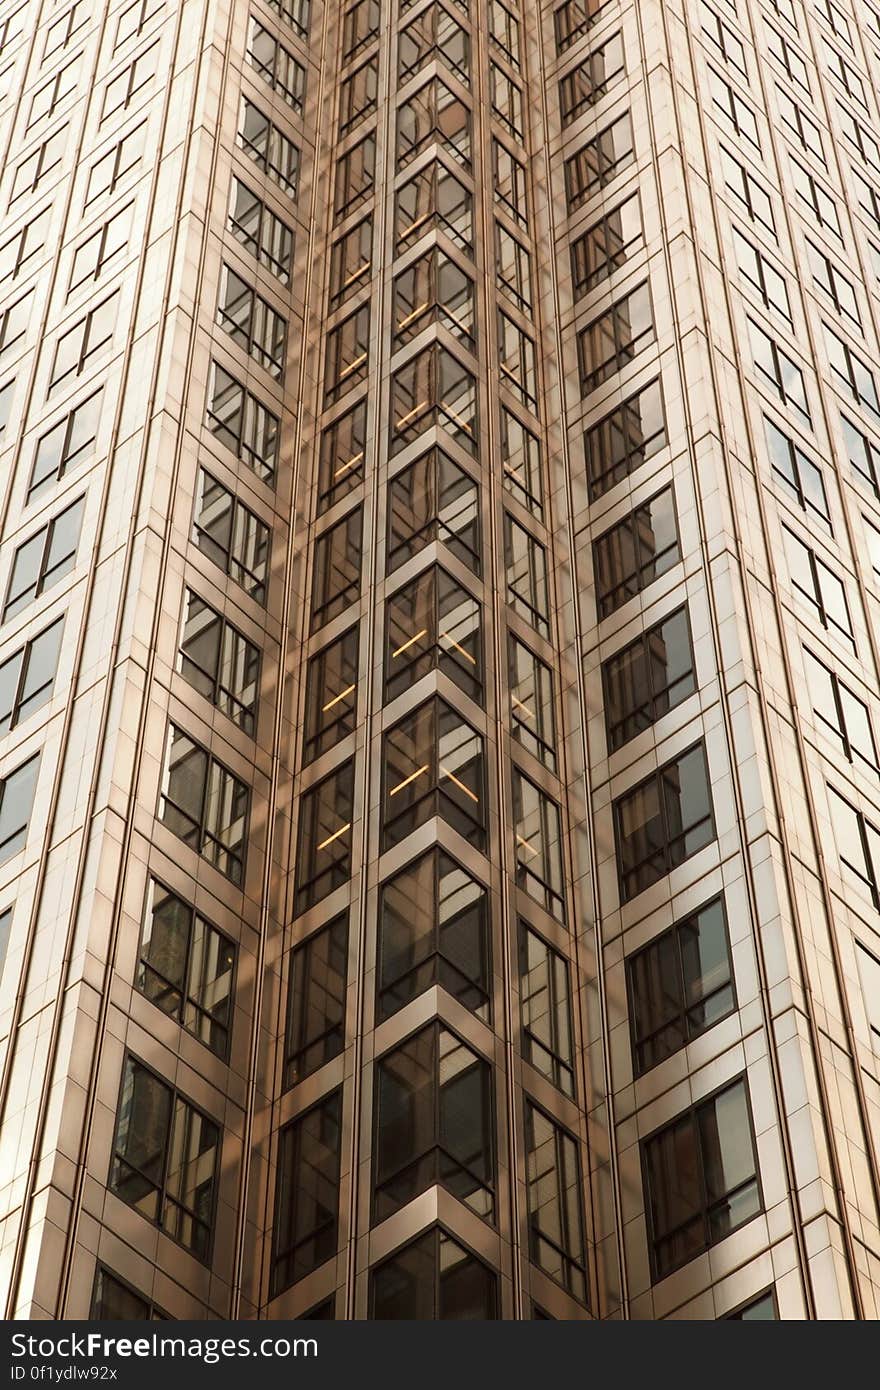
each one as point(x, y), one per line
point(440, 581)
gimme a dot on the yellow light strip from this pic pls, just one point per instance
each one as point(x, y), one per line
point(343, 468)
point(411, 778)
point(335, 836)
point(335, 701)
point(420, 309)
point(452, 642)
point(525, 844)
point(404, 419)
point(410, 642)
point(522, 706)
point(461, 786)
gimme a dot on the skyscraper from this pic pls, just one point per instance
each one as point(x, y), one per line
point(439, 659)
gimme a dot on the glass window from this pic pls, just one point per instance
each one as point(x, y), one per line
point(587, 83)
point(635, 552)
point(507, 101)
point(613, 339)
point(205, 805)
point(433, 34)
point(232, 536)
point(433, 500)
point(187, 968)
point(21, 248)
point(134, 19)
point(276, 65)
point(47, 99)
point(434, 1124)
point(113, 1301)
point(40, 163)
point(76, 349)
point(680, 985)
point(65, 445)
point(254, 325)
point(599, 161)
point(92, 257)
point(433, 289)
point(757, 270)
point(509, 183)
point(868, 968)
point(625, 439)
point(797, 471)
point(307, 1193)
point(342, 456)
point(504, 31)
point(267, 145)
point(863, 454)
point(537, 833)
point(7, 391)
point(351, 259)
point(516, 361)
point(723, 38)
point(750, 196)
point(17, 790)
point(264, 234)
point(606, 246)
point(835, 285)
point(165, 1159)
point(533, 720)
point(663, 821)
point(121, 159)
point(336, 580)
point(737, 112)
point(545, 1002)
point(842, 716)
point(44, 559)
point(433, 115)
point(355, 175)
point(239, 420)
point(433, 624)
point(819, 202)
point(331, 695)
point(762, 1309)
point(555, 1202)
point(296, 13)
point(701, 1175)
point(862, 139)
point(433, 765)
point(647, 678)
point(324, 844)
point(15, 320)
point(219, 661)
point(572, 19)
point(348, 352)
point(521, 463)
point(121, 90)
point(433, 1279)
point(783, 374)
point(28, 676)
point(858, 844)
point(322, 1312)
point(433, 389)
point(526, 565)
point(360, 26)
point(5, 930)
point(805, 131)
point(316, 1001)
point(785, 53)
point(433, 930)
point(818, 586)
point(514, 268)
point(434, 199)
point(850, 372)
point(358, 94)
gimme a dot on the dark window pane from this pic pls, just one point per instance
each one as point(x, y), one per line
point(433, 930)
point(635, 552)
point(545, 1001)
point(663, 821)
point(555, 1202)
point(307, 1200)
point(323, 860)
point(648, 678)
point(316, 1001)
point(434, 1278)
point(433, 624)
point(433, 766)
point(331, 695)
